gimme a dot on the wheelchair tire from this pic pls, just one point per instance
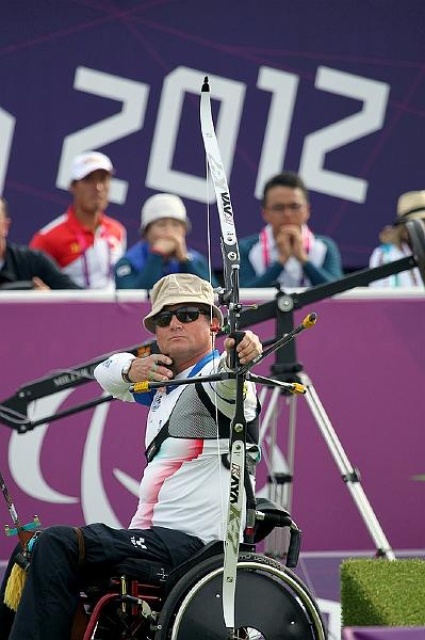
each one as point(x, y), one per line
point(271, 604)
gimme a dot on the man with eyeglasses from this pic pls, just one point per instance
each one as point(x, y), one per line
point(184, 490)
point(286, 251)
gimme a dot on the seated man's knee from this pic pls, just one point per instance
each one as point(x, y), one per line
point(56, 539)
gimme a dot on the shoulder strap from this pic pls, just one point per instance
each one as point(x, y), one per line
point(223, 421)
point(156, 443)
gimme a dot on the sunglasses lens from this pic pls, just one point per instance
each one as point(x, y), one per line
point(184, 315)
point(163, 319)
point(187, 315)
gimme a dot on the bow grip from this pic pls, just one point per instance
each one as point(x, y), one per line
point(233, 356)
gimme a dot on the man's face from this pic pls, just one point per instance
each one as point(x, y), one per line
point(165, 228)
point(91, 194)
point(285, 205)
point(184, 342)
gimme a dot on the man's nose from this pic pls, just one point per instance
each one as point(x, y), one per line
point(286, 212)
point(175, 322)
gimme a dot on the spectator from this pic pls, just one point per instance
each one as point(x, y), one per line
point(162, 249)
point(24, 268)
point(394, 239)
point(84, 241)
point(286, 251)
point(186, 480)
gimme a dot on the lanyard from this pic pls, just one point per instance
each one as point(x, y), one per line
point(84, 246)
point(202, 362)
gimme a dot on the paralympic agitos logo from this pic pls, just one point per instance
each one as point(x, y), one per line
point(82, 462)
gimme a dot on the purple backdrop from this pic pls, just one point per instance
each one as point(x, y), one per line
point(335, 92)
point(365, 357)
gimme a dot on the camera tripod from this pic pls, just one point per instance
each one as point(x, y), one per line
point(281, 470)
point(289, 370)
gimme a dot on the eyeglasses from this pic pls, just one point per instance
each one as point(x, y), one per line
point(294, 206)
point(183, 314)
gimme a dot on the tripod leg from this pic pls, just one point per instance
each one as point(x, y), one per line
point(349, 474)
point(292, 401)
point(279, 469)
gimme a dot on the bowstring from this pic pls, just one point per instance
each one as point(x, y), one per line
point(210, 270)
point(213, 338)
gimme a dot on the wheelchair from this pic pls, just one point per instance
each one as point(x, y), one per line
point(148, 601)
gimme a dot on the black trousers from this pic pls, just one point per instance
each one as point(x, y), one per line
point(6, 615)
point(56, 574)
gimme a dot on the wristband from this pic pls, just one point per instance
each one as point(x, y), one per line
point(125, 371)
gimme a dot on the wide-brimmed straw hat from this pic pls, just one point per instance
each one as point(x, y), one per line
point(181, 288)
point(411, 206)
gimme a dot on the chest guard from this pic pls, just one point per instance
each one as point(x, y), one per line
point(194, 416)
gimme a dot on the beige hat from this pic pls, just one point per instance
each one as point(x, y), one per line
point(88, 162)
point(163, 205)
point(411, 206)
point(180, 288)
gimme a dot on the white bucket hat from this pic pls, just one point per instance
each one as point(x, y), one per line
point(180, 288)
point(163, 205)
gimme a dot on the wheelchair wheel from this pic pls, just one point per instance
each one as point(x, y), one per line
point(271, 604)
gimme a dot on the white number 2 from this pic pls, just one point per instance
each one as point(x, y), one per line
point(133, 96)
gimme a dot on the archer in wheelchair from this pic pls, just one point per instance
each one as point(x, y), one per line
point(165, 576)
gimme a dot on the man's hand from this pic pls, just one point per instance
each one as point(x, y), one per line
point(39, 285)
point(153, 368)
point(165, 246)
point(172, 245)
point(248, 348)
point(289, 243)
point(181, 248)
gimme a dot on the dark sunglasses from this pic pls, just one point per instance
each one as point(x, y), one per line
point(183, 314)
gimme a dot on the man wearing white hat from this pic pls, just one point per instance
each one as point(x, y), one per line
point(162, 249)
point(394, 238)
point(84, 241)
point(185, 485)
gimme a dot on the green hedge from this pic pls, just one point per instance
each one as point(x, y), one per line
point(383, 593)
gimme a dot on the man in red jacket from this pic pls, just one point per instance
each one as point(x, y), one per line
point(84, 241)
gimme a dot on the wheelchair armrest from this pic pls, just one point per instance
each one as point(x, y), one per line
point(270, 515)
point(294, 547)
